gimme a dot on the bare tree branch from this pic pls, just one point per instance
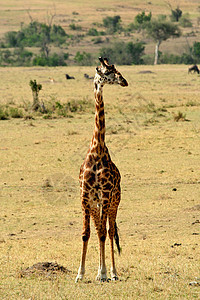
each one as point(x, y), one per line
point(51, 16)
point(168, 4)
point(30, 17)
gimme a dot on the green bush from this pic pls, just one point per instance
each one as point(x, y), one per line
point(6, 58)
point(196, 50)
point(83, 59)
point(17, 57)
point(112, 24)
point(51, 61)
point(3, 114)
point(75, 27)
point(7, 112)
point(97, 40)
point(11, 39)
point(93, 32)
point(14, 112)
point(34, 34)
point(167, 58)
point(124, 53)
point(56, 109)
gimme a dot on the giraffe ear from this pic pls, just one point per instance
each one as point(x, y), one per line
point(102, 62)
point(106, 61)
point(110, 67)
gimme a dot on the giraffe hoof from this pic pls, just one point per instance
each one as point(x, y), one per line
point(78, 278)
point(101, 278)
point(115, 278)
point(104, 280)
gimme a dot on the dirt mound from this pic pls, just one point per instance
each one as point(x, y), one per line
point(44, 268)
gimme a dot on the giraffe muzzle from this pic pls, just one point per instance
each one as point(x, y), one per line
point(124, 83)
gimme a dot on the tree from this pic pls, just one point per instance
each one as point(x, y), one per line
point(175, 13)
point(113, 24)
point(142, 20)
point(161, 31)
point(35, 91)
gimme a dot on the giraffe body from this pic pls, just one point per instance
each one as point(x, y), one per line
point(100, 179)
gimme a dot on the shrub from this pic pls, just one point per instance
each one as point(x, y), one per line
point(14, 112)
point(83, 59)
point(168, 58)
point(11, 39)
point(57, 109)
point(180, 117)
point(58, 35)
point(6, 58)
point(196, 50)
point(34, 34)
point(113, 24)
point(17, 57)
point(75, 27)
point(7, 112)
point(93, 32)
point(97, 40)
point(124, 53)
point(3, 114)
point(51, 61)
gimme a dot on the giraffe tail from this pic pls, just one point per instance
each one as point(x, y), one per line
point(116, 237)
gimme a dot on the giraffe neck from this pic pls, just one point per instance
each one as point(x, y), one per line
point(98, 139)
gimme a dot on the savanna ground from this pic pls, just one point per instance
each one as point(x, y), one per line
point(153, 134)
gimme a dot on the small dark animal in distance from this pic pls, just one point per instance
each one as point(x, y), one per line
point(193, 69)
point(69, 77)
point(88, 77)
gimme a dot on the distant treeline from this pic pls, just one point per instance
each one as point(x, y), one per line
point(40, 37)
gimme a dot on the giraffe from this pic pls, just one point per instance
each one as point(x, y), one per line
point(100, 179)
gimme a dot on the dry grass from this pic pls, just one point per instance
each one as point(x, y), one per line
point(40, 216)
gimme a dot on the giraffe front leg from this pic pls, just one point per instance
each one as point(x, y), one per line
point(102, 233)
point(85, 238)
point(102, 272)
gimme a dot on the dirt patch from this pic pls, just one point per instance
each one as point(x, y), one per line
point(194, 208)
point(146, 72)
point(44, 268)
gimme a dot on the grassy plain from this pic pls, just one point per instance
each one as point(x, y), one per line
point(40, 215)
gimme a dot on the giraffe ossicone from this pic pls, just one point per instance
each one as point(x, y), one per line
point(100, 179)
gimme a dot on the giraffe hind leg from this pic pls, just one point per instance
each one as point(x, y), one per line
point(113, 234)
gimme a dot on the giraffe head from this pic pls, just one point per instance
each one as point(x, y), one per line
point(108, 74)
